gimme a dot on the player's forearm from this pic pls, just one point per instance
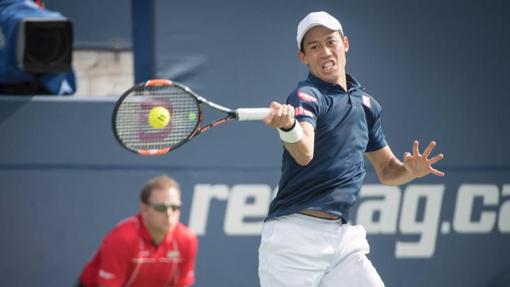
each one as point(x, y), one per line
point(394, 173)
point(302, 151)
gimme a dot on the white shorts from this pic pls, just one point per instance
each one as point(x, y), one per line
point(300, 250)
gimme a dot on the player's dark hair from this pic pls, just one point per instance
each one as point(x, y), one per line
point(302, 47)
point(161, 182)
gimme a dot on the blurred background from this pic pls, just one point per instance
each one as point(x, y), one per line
point(438, 68)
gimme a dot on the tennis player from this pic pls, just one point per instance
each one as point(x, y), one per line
point(151, 248)
point(327, 125)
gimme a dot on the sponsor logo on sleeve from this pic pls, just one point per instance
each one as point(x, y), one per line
point(306, 97)
point(300, 111)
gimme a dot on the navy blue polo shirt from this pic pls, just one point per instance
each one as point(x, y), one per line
point(347, 124)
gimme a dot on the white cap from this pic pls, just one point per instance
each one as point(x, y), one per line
point(313, 19)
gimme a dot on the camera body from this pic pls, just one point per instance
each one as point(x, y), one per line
point(36, 47)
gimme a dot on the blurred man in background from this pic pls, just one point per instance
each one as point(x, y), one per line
point(151, 248)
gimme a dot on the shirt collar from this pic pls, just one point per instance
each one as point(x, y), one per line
point(352, 83)
point(144, 233)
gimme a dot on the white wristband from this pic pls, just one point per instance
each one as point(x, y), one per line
point(292, 136)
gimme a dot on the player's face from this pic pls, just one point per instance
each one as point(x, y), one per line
point(163, 211)
point(324, 53)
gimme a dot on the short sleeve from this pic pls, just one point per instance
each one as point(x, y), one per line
point(376, 139)
point(306, 105)
point(187, 267)
point(114, 261)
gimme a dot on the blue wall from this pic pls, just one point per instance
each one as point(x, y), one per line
point(438, 68)
point(64, 182)
point(97, 23)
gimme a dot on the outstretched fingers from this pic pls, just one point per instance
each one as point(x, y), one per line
point(436, 172)
point(416, 151)
point(436, 158)
point(428, 150)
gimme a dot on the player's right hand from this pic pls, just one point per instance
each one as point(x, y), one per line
point(281, 116)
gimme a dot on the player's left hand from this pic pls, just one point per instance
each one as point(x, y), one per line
point(420, 164)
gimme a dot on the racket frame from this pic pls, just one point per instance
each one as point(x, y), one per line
point(198, 129)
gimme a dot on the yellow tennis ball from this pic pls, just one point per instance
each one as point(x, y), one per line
point(159, 117)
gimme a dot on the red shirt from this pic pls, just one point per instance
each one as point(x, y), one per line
point(128, 257)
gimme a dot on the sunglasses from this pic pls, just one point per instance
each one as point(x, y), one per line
point(163, 207)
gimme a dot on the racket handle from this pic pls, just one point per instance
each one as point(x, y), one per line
point(252, 114)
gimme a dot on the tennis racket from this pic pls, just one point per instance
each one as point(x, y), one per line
point(182, 117)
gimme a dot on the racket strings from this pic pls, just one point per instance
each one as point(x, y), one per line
point(132, 119)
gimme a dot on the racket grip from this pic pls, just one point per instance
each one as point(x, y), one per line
point(252, 114)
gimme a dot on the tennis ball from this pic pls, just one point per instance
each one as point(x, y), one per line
point(159, 117)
